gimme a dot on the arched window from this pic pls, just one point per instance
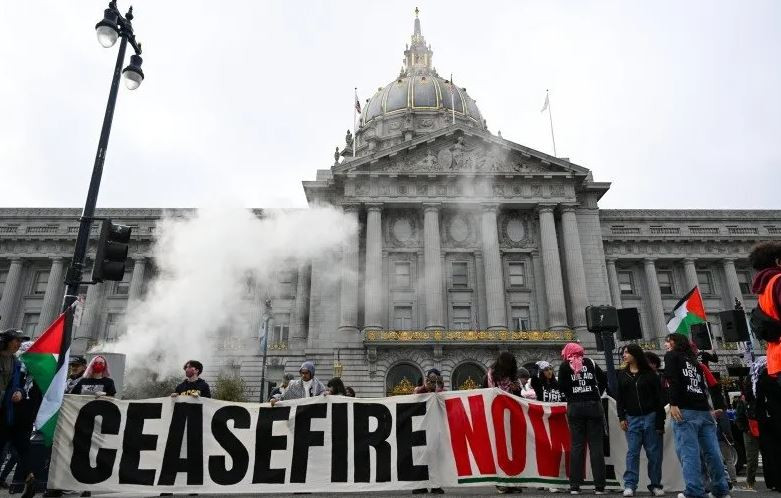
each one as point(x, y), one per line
point(467, 376)
point(402, 379)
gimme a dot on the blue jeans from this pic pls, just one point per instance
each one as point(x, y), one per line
point(697, 432)
point(642, 433)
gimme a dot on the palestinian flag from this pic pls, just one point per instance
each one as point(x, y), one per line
point(689, 311)
point(47, 362)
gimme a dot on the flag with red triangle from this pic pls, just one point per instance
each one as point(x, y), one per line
point(689, 311)
point(47, 362)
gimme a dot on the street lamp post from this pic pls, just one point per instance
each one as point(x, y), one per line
point(112, 27)
point(266, 321)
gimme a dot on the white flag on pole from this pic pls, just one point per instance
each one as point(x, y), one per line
point(545, 105)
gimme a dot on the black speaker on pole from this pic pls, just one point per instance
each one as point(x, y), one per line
point(733, 326)
point(601, 319)
point(701, 337)
point(629, 324)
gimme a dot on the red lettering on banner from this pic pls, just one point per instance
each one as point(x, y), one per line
point(473, 434)
point(550, 447)
point(511, 465)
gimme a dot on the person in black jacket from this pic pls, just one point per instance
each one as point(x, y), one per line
point(693, 424)
point(545, 384)
point(641, 415)
point(583, 382)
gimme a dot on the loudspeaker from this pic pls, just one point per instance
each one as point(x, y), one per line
point(700, 336)
point(733, 326)
point(629, 324)
point(601, 319)
point(737, 371)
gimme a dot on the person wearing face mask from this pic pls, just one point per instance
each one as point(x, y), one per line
point(193, 385)
point(307, 386)
point(96, 379)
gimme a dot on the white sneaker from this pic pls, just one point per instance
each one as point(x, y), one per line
point(554, 490)
point(574, 491)
point(600, 492)
point(681, 495)
point(629, 492)
point(657, 492)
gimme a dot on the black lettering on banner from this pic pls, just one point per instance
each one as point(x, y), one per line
point(339, 442)
point(191, 416)
point(265, 443)
point(82, 440)
point(134, 441)
point(363, 440)
point(406, 439)
point(305, 437)
point(218, 468)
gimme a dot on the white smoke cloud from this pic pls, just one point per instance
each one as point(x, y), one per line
point(204, 262)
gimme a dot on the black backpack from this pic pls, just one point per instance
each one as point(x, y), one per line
point(765, 327)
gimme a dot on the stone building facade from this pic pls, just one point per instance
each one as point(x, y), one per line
point(469, 244)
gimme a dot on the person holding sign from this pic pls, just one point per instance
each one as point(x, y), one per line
point(96, 379)
point(582, 382)
point(305, 387)
point(693, 423)
point(193, 385)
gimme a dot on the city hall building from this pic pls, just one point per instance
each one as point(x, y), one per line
point(469, 244)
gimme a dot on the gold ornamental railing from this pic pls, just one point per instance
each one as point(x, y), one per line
point(469, 336)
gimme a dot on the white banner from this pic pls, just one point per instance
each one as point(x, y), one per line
point(325, 444)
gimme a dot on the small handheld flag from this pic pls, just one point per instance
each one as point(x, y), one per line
point(689, 311)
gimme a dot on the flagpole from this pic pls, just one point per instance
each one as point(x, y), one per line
point(355, 111)
point(453, 98)
point(550, 116)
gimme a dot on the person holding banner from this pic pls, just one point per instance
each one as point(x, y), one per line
point(545, 384)
point(305, 387)
point(693, 424)
point(641, 415)
point(96, 380)
point(583, 382)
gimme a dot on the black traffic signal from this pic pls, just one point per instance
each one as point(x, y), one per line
point(111, 254)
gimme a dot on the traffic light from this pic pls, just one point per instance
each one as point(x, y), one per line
point(111, 254)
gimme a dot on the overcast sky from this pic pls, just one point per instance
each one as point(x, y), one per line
point(676, 103)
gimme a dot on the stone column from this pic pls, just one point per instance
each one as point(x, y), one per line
point(655, 307)
point(349, 278)
point(554, 288)
point(303, 283)
point(576, 275)
point(494, 280)
point(691, 274)
point(11, 293)
point(612, 278)
point(432, 255)
point(373, 301)
point(733, 286)
point(52, 300)
point(90, 317)
point(136, 281)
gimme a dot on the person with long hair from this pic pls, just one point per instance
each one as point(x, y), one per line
point(545, 384)
point(641, 415)
point(694, 426)
point(583, 382)
point(335, 387)
point(96, 379)
point(504, 375)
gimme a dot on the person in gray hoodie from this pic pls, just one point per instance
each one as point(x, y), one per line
point(305, 387)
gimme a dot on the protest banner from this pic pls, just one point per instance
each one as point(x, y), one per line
point(324, 444)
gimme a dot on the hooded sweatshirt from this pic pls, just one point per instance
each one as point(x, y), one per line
point(761, 280)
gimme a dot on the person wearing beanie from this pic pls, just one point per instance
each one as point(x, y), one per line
point(306, 387)
point(545, 385)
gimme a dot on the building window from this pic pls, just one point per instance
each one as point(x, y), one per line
point(402, 317)
point(462, 317)
point(287, 284)
point(517, 274)
point(467, 376)
point(744, 280)
point(519, 318)
point(705, 281)
point(115, 326)
point(30, 323)
point(626, 283)
point(401, 275)
point(665, 279)
point(40, 279)
point(281, 330)
point(402, 379)
point(122, 288)
point(3, 280)
point(460, 275)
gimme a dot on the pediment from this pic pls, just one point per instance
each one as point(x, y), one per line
point(457, 151)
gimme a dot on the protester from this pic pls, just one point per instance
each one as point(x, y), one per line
point(524, 379)
point(96, 379)
point(765, 258)
point(746, 420)
point(641, 415)
point(693, 423)
point(306, 387)
point(280, 389)
point(350, 392)
point(433, 383)
point(583, 382)
point(545, 385)
point(336, 387)
point(193, 385)
point(76, 367)
point(768, 406)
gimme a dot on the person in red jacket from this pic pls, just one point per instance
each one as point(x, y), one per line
point(765, 258)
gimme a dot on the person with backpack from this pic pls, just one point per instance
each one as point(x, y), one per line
point(641, 416)
point(582, 382)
